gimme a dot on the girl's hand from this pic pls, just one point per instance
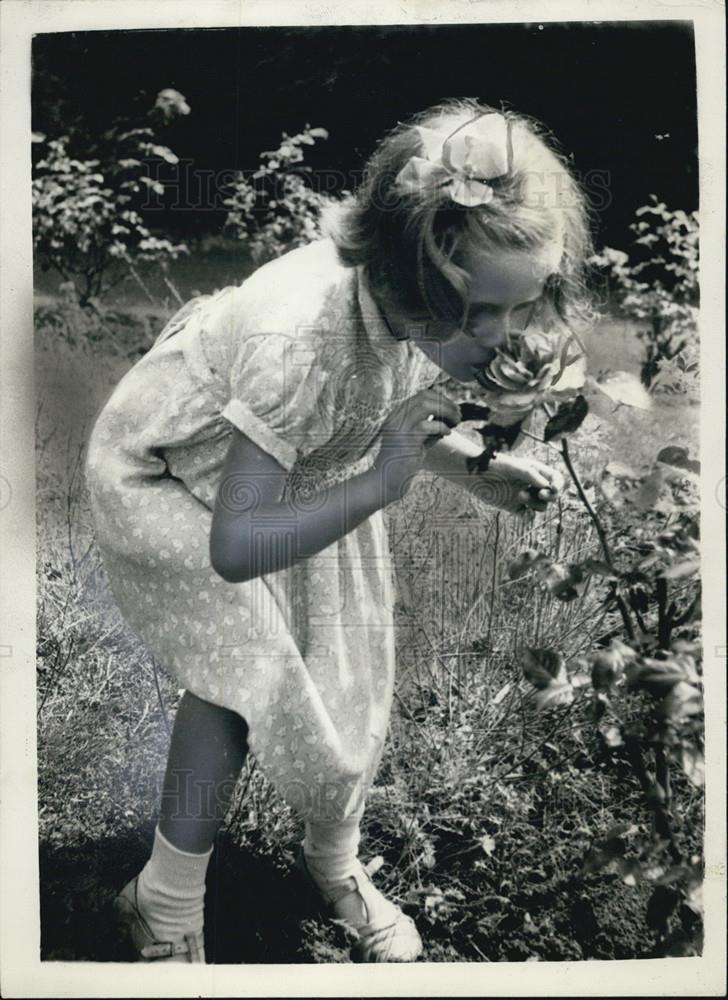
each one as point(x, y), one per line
point(405, 435)
point(518, 485)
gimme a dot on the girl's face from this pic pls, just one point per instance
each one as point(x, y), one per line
point(503, 293)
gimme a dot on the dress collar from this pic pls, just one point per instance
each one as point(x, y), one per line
point(378, 329)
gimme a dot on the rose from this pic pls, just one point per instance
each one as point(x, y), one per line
point(534, 369)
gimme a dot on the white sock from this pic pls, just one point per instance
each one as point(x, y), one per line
point(171, 890)
point(330, 850)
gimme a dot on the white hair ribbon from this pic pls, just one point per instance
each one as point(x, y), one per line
point(462, 161)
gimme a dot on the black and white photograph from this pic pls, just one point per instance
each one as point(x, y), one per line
point(368, 405)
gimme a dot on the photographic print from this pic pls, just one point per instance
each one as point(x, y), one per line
point(367, 433)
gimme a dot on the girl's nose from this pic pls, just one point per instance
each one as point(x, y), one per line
point(492, 333)
point(499, 328)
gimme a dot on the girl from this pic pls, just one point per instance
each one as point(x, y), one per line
point(239, 472)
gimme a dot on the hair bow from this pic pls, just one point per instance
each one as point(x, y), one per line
point(462, 161)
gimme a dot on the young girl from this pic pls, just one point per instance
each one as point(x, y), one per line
point(239, 472)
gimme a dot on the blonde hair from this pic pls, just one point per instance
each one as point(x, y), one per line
point(410, 243)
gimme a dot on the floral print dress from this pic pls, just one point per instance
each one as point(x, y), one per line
point(300, 360)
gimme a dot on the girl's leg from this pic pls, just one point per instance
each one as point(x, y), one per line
point(207, 751)
point(330, 852)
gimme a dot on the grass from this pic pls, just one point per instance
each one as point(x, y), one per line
point(483, 811)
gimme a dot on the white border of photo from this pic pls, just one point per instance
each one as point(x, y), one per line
point(22, 974)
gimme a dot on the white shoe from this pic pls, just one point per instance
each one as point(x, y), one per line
point(390, 936)
point(189, 948)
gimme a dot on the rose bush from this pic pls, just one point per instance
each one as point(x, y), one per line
point(641, 683)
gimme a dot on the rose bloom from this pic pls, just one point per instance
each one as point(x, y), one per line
point(536, 368)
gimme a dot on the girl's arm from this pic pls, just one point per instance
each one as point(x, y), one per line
point(510, 483)
point(255, 532)
point(446, 457)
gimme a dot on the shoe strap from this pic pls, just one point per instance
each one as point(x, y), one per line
point(358, 881)
point(364, 886)
point(333, 893)
point(168, 949)
point(195, 946)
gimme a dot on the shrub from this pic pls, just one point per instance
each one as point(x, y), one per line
point(273, 209)
point(658, 288)
point(87, 221)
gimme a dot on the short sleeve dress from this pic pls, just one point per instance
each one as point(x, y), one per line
point(298, 358)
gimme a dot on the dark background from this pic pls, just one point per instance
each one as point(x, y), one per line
point(620, 97)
